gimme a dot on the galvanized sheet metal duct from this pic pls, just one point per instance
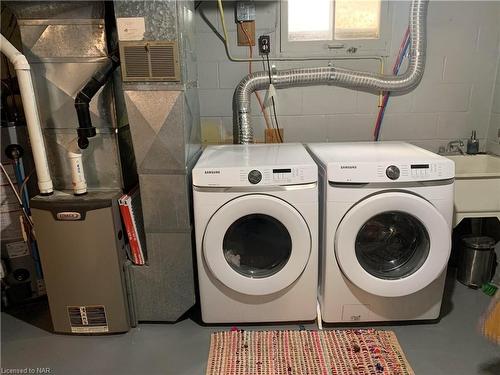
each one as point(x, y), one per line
point(65, 43)
point(165, 126)
point(335, 76)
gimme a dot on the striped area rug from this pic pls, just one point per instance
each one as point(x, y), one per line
point(332, 352)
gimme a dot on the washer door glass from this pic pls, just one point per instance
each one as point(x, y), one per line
point(392, 245)
point(257, 245)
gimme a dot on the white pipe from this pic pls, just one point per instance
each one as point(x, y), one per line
point(77, 173)
point(31, 113)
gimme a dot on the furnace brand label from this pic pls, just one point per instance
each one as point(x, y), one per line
point(69, 216)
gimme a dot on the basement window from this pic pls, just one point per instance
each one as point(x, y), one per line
point(341, 26)
point(310, 20)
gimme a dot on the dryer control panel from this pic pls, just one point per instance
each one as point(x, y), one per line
point(381, 162)
point(255, 176)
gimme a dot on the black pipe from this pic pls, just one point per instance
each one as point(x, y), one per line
point(83, 98)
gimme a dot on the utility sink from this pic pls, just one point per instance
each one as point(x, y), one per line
point(477, 186)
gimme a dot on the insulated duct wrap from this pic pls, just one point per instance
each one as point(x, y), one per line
point(336, 76)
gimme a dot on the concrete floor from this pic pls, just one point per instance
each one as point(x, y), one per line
point(450, 346)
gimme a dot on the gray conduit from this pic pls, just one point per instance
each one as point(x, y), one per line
point(335, 76)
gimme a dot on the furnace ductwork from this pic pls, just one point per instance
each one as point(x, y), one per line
point(335, 76)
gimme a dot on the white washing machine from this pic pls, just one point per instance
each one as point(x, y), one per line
point(256, 222)
point(385, 238)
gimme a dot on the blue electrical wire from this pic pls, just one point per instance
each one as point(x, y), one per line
point(20, 177)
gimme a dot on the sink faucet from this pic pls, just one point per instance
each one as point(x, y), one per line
point(455, 146)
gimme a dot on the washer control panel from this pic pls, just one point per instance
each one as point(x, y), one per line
point(255, 176)
point(411, 172)
point(415, 172)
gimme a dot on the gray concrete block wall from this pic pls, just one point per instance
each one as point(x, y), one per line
point(454, 97)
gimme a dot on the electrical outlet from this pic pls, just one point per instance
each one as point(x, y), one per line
point(264, 44)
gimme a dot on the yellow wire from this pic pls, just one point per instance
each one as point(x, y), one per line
point(221, 11)
point(381, 94)
point(224, 30)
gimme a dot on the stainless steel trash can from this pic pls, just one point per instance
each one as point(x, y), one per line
point(476, 260)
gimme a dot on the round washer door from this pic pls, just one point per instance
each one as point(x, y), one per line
point(393, 244)
point(257, 244)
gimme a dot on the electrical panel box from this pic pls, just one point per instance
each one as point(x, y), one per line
point(245, 11)
point(82, 251)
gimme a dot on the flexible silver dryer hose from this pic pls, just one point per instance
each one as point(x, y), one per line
point(334, 76)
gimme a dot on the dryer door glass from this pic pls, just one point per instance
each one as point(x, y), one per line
point(392, 245)
point(257, 245)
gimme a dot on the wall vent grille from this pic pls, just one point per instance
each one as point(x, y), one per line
point(149, 61)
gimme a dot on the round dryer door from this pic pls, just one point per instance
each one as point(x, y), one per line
point(393, 244)
point(257, 244)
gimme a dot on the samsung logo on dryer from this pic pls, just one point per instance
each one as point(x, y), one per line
point(212, 172)
point(348, 166)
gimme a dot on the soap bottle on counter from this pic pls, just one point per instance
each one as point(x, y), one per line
point(473, 144)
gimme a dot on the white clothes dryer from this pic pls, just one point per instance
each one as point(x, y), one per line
point(256, 224)
point(385, 238)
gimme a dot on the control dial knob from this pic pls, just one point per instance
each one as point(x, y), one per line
point(392, 172)
point(254, 176)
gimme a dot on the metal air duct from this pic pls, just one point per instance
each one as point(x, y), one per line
point(161, 97)
point(66, 43)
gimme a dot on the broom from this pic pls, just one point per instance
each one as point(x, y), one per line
point(491, 322)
